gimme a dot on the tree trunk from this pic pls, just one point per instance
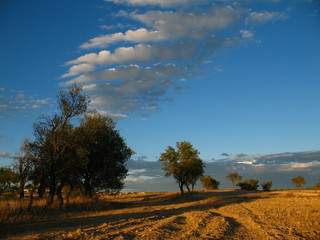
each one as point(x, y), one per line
point(52, 186)
point(181, 188)
point(69, 193)
point(188, 187)
point(21, 189)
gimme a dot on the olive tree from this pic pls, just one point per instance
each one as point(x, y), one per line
point(234, 178)
point(102, 154)
point(298, 181)
point(183, 163)
point(54, 134)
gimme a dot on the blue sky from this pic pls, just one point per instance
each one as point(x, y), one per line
point(230, 77)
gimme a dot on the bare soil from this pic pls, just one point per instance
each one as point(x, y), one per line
point(224, 214)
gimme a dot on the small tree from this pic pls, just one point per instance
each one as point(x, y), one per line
point(251, 184)
point(22, 165)
point(234, 178)
point(266, 186)
point(180, 164)
point(209, 183)
point(298, 182)
point(8, 180)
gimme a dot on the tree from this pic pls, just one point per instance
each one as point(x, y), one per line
point(102, 153)
point(183, 164)
point(234, 178)
point(53, 136)
point(251, 184)
point(298, 182)
point(209, 183)
point(22, 165)
point(266, 186)
point(8, 180)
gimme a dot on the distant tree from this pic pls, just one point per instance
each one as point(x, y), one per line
point(209, 183)
point(316, 186)
point(183, 164)
point(234, 178)
point(8, 180)
point(266, 186)
point(22, 165)
point(298, 182)
point(53, 137)
point(251, 184)
point(102, 154)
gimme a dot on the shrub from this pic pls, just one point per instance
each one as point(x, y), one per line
point(266, 186)
point(209, 183)
point(251, 184)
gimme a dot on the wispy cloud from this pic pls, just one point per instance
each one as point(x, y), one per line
point(5, 155)
point(265, 16)
point(12, 102)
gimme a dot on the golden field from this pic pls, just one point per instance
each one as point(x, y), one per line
point(221, 214)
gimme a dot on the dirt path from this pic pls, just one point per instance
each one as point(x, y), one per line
point(205, 215)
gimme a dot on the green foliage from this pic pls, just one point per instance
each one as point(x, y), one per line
point(90, 156)
point(102, 153)
point(266, 186)
point(234, 177)
point(183, 164)
point(209, 183)
point(8, 180)
point(298, 181)
point(251, 184)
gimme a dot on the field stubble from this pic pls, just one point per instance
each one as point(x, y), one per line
point(224, 214)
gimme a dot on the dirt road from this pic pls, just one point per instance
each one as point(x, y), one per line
point(202, 215)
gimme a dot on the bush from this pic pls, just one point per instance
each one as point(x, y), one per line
point(266, 186)
point(251, 184)
point(209, 183)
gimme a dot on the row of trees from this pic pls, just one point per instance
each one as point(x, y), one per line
point(90, 156)
point(184, 164)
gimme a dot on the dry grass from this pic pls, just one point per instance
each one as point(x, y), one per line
point(18, 211)
point(204, 215)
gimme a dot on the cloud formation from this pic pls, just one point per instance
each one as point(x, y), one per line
point(139, 69)
point(12, 102)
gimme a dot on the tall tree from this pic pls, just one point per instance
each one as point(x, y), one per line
point(183, 164)
point(22, 165)
point(298, 181)
point(102, 153)
point(53, 133)
point(234, 177)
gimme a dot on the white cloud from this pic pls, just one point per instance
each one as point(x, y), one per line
point(145, 53)
point(140, 35)
point(131, 88)
point(177, 39)
point(162, 3)
point(265, 16)
point(246, 34)
point(78, 69)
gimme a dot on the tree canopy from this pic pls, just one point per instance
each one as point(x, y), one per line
point(209, 183)
point(234, 178)
point(183, 163)
point(298, 181)
point(91, 155)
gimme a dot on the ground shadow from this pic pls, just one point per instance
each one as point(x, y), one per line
point(215, 199)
